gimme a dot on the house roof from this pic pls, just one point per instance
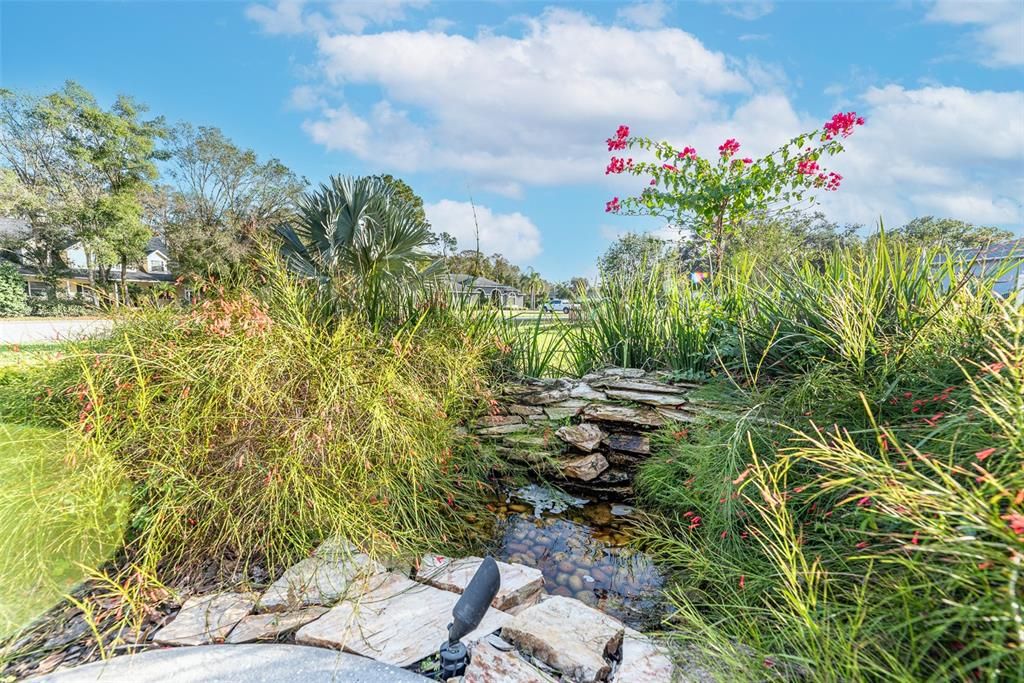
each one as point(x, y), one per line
point(82, 275)
point(462, 281)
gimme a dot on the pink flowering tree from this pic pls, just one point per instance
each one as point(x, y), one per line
point(714, 197)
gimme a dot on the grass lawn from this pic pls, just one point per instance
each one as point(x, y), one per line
point(59, 518)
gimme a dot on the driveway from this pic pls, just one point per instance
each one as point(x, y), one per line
point(29, 331)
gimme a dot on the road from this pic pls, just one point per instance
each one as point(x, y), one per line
point(29, 331)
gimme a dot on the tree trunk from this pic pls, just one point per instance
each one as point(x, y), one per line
point(124, 285)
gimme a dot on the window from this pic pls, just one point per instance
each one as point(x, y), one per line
point(39, 288)
point(157, 266)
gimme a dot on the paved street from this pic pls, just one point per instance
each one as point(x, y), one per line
point(27, 331)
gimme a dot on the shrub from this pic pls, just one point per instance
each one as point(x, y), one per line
point(59, 308)
point(13, 299)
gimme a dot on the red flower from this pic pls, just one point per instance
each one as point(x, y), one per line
point(728, 148)
point(807, 167)
point(1016, 521)
point(669, 167)
point(748, 160)
point(620, 139)
point(862, 545)
point(842, 124)
point(613, 206)
point(688, 153)
point(982, 454)
point(743, 580)
point(617, 165)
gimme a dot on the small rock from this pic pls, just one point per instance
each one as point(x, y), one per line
point(269, 626)
point(585, 468)
point(643, 417)
point(611, 477)
point(206, 619)
point(520, 585)
point(492, 665)
point(586, 436)
point(643, 660)
point(620, 510)
point(498, 420)
point(567, 635)
point(630, 443)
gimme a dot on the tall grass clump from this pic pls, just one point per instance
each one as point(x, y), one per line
point(251, 431)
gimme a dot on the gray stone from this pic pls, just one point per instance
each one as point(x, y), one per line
point(676, 415)
point(236, 664)
point(520, 585)
point(498, 420)
point(622, 372)
point(629, 461)
point(492, 665)
point(611, 477)
point(398, 621)
point(644, 385)
point(546, 397)
point(631, 443)
point(503, 429)
point(566, 634)
point(643, 660)
point(206, 619)
point(648, 397)
point(525, 411)
point(564, 409)
point(585, 468)
point(643, 417)
point(269, 626)
point(587, 392)
point(585, 437)
point(319, 580)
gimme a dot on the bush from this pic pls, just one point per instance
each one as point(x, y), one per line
point(12, 291)
point(252, 432)
point(59, 308)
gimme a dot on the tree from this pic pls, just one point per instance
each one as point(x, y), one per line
point(633, 254)
point(224, 200)
point(362, 246)
point(447, 244)
point(929, 231)
point(533, 284)
point(716, 197)
point(13, 299)
point(403, 191)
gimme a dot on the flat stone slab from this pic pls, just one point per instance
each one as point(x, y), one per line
point(503, 429)
point(645, 385)
point(498, 420)
point(520, 585)
point(206, 619)
point(236, 664)
point(524, 411)
point(676, 415)
point(567, 635)
point(257, 627)
point(644, 417)
point(319, 580)
point(488, 664)
point(648, 397)
point(545, 397)
point(585, 468)
point(586, 436)
point(643, 660)
point(564, 409)
point(398, 622)
point(587, 392)
point(630, 443)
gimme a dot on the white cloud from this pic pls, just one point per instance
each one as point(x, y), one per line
point(291, 17)
point(999, 36)
point(748, 10)
point(304, 98)
point(644, 14)
point(511, 234)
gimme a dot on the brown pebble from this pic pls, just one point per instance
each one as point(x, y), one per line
point(566, 566)
point(576, 582)
point(561, 590)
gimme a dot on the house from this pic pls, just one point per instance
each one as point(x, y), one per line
point(153, 269)
point(480, 290)
point(1002, 259)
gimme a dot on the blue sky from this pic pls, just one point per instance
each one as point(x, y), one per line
point(510, 102)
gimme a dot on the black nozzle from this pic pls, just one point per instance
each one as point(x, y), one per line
point(472, 606)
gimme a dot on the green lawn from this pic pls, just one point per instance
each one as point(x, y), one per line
point(60, 516)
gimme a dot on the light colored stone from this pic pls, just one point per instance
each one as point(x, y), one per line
point(503, 429)
point(567, 635)
point(206, 619)
point(587, 392)
point(644, 417)
point(519, 584)
point(546, 397)
point(622, 372)
point(564, 409)
point(488, 664)
point(319, 580)
point(645, 385)
point(585, 468)
point(525, 411)
point(398, 621)
point(643, 660)
point(631, 443)
point(649, 397)
point(498, 420)
point(257, 627)
point(676, 415)
point(586, 436)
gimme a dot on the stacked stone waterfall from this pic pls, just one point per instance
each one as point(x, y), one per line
point(592, 432)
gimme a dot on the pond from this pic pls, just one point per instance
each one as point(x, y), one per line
point(583, 549)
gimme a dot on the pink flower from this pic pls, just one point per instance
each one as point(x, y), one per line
point(842, 124)
point(613, 206)
point(1016, 521)
point(688, 153)
point(807, 167)
point(982, 454)
point(728, 148)
point(617, 165)
point(748, 160)
point(669, 167)
point(620, 139)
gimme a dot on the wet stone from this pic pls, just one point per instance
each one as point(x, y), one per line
point(319, 580)
point(631, 443)
point(585, 468)
point(206, 619)
point(643, 417)
point(642, 660)
point(567, 635)
point(489, 664)
point(396, 621)
point(520, 585)
point(586, 436)
point(257, 627)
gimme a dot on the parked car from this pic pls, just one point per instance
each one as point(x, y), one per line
point(560, 306)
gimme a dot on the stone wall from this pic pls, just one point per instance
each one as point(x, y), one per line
point(588, 434)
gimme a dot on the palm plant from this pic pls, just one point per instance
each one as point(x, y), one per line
point(363, 247)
